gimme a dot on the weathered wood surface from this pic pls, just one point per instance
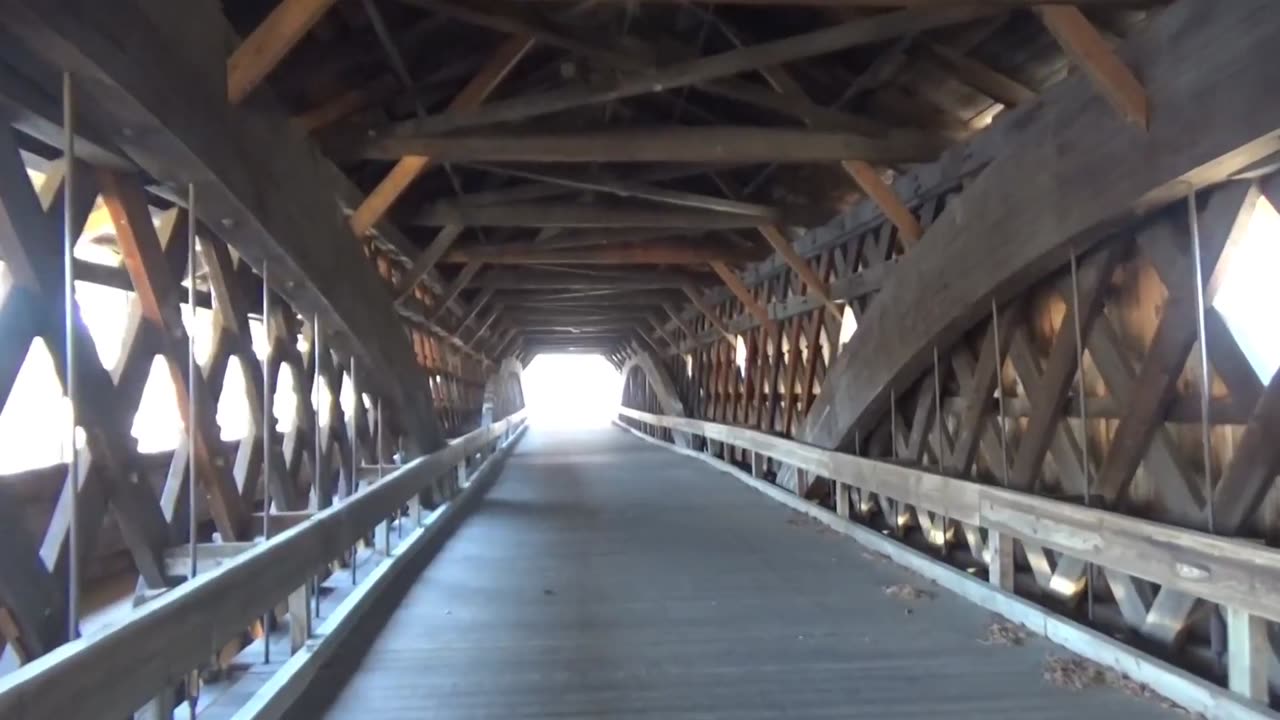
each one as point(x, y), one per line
point(606, 577)
point(176, 631)
point(1232, 572)
point(1045, 190)
point(261, 183)
point(591, 215)
point(675, 144)
point(862, 31)
point(668, 252)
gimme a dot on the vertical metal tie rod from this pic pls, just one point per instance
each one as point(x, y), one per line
point(893, 445)
point(386, 528)
point(353, 482)
point(937, 436)
point(1004, 430)
point(1084, 414)
point(316, 379)
point(192, 369)
point(266, 443)
point(315, 404)
point(193, 678)
point(1193, 219)
point(69, 319)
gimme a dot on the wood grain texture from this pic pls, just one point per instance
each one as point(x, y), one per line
point(586, 589)
point(1048, 195)
point(170, 94)
point(267, 45)
point(1229, 571)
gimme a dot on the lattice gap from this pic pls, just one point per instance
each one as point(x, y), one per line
point(33, 420)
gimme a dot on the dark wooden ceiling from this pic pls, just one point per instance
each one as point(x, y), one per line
point(618, 145)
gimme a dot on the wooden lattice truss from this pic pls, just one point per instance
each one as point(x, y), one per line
point(144, 497)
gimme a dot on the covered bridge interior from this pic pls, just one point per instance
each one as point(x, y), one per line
point(986, 289)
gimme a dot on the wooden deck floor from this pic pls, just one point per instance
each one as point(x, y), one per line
point(604, 577)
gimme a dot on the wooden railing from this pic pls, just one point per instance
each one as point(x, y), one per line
point(113, 673)
point(1241, 576)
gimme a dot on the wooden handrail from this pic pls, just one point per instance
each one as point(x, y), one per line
point(1233, 572)
point(121, 668)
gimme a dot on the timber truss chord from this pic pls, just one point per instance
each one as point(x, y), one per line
point(947, 270)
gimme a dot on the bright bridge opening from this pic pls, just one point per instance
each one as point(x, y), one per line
point(571, 391)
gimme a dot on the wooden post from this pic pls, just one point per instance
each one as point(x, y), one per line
point(161, 706)
point(842, 500)
point(758, 464)
point(460, 480)
point(1248, 654)
point(299, 618)
point(1000, 560)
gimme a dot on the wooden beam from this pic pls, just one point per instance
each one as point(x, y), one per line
point(1254, 465)
point(510, 279)
point(673, 252)
point(675, 144)
point(427, 260)
point(1091, 52)
point(847, 4)
point(31, 595)
point(586, 215)
point(267, 45)
point(165, 104)
point(108, 470)
point(1155, 387)
point(696, 298)
point(735, 285)
point(995, 85)
point(869, 180)
point(865, 31)
point(460, 281)
point(160, 297)
point(475, 308)
point(623, 188)
point(1051, 200)
point(408, 166)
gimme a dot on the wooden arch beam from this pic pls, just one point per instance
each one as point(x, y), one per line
point(169, 96)
point(1050, 200)
point(645, 363)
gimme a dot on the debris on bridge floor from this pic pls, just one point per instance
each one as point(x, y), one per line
point(906, 591)
point(1004, 633)
point(1076, 673)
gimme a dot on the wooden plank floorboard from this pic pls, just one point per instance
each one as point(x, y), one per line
point(604, 577)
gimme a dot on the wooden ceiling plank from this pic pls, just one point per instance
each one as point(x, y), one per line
point(584, 215)
point(740, 145)
point(859, 32)
point(659, 253)
point(1090, 51)
point(409, 167)
point(267, 45)
point(631, 189)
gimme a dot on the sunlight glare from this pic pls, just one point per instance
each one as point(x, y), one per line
point(571, 391)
